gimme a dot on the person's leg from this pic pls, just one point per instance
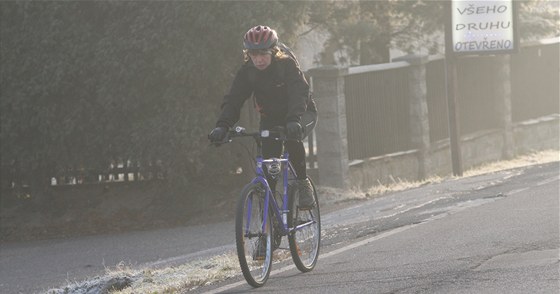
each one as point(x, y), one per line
point(308, 122)
point(297, 158)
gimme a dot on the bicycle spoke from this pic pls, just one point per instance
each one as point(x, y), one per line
point(253, 236)
point(305, 234)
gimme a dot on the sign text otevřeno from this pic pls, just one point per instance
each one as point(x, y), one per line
point(482, 26)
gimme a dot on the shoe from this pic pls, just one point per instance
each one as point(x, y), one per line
point(306, 199)
point(260, 251)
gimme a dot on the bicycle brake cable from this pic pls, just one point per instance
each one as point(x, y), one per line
point(249, 153)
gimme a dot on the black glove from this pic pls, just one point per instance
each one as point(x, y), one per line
point(218, 134)
point(293, 130)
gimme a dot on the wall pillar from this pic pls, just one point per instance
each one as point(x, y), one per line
point(503, 104)
point(418, 110)
point(331, 132)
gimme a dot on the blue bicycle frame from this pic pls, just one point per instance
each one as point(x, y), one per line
point(261, 221)
point(281, 214)
point(287, 169)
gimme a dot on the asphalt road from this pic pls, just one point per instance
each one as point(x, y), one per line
point(32, 267)
point(496, 233)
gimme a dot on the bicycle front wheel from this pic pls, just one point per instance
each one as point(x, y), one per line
point(305, 237)
point(254, 245)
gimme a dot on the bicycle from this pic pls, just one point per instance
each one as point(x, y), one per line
point(261, 222)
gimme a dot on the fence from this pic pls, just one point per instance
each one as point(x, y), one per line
point(477, 92)
point(377, 110)
point(377, 100)
point(116, 172)
point(436, 99)
point(534, 80)
point(382, 109)
point(534, 88)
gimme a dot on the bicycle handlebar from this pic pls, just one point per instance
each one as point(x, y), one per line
point(277, 133)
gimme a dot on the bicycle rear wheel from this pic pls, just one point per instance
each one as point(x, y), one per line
point(254, 246)
point(305, 237)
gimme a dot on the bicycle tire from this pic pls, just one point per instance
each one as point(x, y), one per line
point(249, 238)
point(304, 242)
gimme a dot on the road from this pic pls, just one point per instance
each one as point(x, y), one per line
point(493, 233)
point(489, 234)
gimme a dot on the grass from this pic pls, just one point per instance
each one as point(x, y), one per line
point(199, 273)
point(181, 278)
point(333, 195)
point(184, 277)
point(525, 160)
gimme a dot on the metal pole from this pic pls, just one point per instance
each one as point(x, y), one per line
point(451, 85)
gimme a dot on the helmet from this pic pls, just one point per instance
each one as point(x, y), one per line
point(260, 37)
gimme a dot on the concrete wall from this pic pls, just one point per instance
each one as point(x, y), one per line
point(477, 149)
point(537, 134)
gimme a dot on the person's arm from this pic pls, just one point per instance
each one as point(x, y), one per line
point(233, 101)
point(298, 91)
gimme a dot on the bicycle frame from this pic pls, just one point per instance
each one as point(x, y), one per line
point(261, 223)
point(281, 214)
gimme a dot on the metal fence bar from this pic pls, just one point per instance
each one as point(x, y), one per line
point(377, 112)
point(535, 75)
point(437, 99)
point(477, 93)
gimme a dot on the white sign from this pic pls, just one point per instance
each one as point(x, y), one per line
point(482, 26)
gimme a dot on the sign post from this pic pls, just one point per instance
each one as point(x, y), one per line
point(473, 28)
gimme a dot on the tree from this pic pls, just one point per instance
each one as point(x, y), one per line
point(367, 30)
point(538, 19)
point(86, 83)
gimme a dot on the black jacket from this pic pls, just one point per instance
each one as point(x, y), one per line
point(281, 95)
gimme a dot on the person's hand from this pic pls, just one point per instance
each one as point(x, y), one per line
point(218, 134)
point(293, 130)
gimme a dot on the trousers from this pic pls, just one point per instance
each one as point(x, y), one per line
point(296, 149)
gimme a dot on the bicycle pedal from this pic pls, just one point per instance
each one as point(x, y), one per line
point(259, 256)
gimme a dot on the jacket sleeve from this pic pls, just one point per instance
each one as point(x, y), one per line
point(233, 101)
point(298, 91)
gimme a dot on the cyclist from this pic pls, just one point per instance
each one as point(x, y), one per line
point(281, 96)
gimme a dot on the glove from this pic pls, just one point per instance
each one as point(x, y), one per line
point(293, 130)
point(218, 134)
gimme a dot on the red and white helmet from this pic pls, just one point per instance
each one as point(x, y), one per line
point(260, 37)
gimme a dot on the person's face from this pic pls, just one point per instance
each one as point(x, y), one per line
point(261, 58)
